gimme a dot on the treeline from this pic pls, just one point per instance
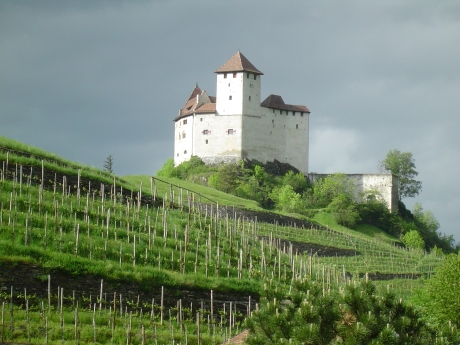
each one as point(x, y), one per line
point(291, 192)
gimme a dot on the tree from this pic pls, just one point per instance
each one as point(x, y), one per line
point(440, 298)
point(402, 165)
point(344, 211)
point(306, 313)
point(427, 218)
point(413, 240)
point(167, 170)
point(298, 182)
point(287, 199)
point(326, 189)
point(226, 179)
point(108, 164)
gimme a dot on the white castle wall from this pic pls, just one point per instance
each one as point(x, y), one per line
point(273, 135)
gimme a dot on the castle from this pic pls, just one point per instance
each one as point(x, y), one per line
point(236, 125)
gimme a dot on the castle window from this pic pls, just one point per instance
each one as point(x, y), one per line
point(201, 119)
point(206, 132)
point(247, 75)
point(185, 152)
point(234, 75)
point(296, 126)
point(255, 76)
point(249, 97)
point(177, 154)
point(230, 97)
point(228, 84)
point(273, 121)
point(293, 113)
point(206, 141)
point(281, 112)
point(185, 122)
point(225, 75)
point(301, 114)
point(183, 135)
point(231, 131)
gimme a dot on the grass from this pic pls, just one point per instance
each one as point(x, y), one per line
point(210, 195)
point(118, 240)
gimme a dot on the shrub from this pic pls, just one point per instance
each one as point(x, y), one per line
point(413, 240)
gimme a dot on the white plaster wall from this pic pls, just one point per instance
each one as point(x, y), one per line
point(273, 135)
point(183, 147)
point(297, 139)
point(251, 93)
point(220, 143)
point(227, 87)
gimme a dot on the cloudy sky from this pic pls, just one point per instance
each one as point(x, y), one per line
point(85, 79)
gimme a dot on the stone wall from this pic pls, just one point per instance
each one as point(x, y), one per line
point(386, 186)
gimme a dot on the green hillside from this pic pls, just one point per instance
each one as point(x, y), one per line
point(88, 256)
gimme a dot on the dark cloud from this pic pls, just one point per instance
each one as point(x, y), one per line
point(86, 79)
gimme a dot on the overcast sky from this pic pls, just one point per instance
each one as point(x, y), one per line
point(85, 79)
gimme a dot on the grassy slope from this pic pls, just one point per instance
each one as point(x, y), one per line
point(377, 250)
point(25, 213)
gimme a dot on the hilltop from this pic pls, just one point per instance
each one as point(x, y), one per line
point(157, 248)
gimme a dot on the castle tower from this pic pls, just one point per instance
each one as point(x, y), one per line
point(238, 87)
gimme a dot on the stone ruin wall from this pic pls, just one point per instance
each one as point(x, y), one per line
point(385, 184)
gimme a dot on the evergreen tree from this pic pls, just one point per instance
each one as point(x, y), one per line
point(354, 314)
point(108, 164)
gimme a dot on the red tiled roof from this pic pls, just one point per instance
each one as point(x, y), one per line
point(206, 108)
point(196, 91)
point(238, 63)
point(276, 102)
point(190, 106)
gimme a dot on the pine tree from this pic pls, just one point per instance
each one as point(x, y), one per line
point(108, 164)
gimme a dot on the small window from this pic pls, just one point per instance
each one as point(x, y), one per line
point(230, 131)
point(273, 121)
point(247, 75)
point(185, 122)
point(185, 152)
point(255, 76)
point(201, 119)
point(296, 126)
point(206, 141)
point(301, 114)
point(293, 113)
point(177, 155)
point(206, 132)
point(249, 97)
point(228, 84)
point(234, 75)
point(230, 97)
point(281, 112)
point(183, 135)
point(225, 75)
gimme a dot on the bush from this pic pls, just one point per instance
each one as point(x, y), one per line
point(413, 240)
point(308, 314)
point(344, 211)
point(167, 170)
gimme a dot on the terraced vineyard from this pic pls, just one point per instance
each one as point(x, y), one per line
point(87, 257)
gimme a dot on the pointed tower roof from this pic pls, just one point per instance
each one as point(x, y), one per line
point(238, 63)
point(196, 91)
